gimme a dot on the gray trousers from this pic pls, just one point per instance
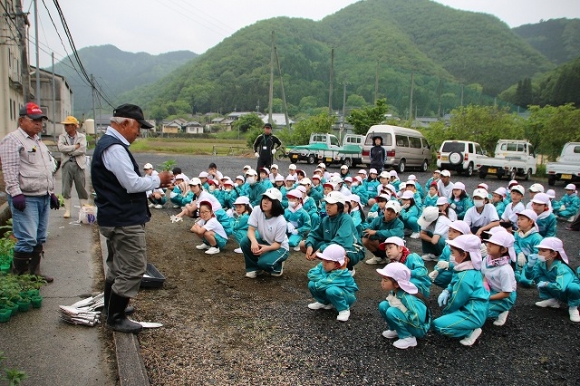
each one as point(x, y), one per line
point(72, 172)
point(126, 258)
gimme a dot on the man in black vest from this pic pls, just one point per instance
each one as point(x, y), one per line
point(265, 146)
point(123, 211)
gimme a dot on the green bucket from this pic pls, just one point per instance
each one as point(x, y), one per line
point(36, 301)
point(5, 315)
point(24, 305)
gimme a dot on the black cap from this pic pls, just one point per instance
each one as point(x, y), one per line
point(267, 126)
point(134, 112)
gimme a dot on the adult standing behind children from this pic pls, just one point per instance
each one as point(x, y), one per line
point(123, 211)
point(378, 154)
point(73, 146)
point(265, 146)
point(24, 155)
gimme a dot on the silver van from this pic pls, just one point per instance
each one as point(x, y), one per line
point(404, 147)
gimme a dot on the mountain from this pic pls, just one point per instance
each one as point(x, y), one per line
point(556, 39)
point(453, 56)
point(116, 72)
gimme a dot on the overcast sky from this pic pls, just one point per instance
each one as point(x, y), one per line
point(157, 26)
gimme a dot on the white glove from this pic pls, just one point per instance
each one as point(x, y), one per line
point(290, 228)
point(433, 275)
point(295, 232)
point(442, 265)
point(373, 215)
point(274, 151)
point(406, 206)
point(522, 259)
point(395, 302)
point(257, 155)
point(563, 207)
point(453, 206)
point(230, 212)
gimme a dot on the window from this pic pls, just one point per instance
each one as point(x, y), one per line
point(425, 143)
point(452, 147)
point(334, 141)
point(402, 140)
point(478, 150)
point(387, 139)
point(470, 145)
point(415, 142)
point(576, 149)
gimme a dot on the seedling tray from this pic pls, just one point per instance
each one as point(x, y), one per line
point(152, 277)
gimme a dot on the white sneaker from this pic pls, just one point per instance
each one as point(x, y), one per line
point(390, 334)
point(320, 306)
point(405, 343)
point(296, 248)
point(176, 206)
point(501, 319)
point(574, 314)
point(151, 205)
point(252, 274)
point(548, 303)
point(202, 246)
point(238, 250)
point(470, 339)
point(429, 257)
point(352, 272)
point(343, 316)
point(375, 260)
point(281, 271)
point(415, 235)
point(212, 251)
point(158, 206)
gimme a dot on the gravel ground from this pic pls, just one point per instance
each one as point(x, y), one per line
point(224, 329)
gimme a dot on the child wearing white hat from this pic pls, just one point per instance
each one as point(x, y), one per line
point(331, 285)
point(380, 229)
point(465, 300)
point(394, 180)
point(298, 220)
point(498, 200)
point(556, 281)
point(443, 271)
point(546, 220)
point(499, 275)
point(405, 309)
point(242, 212)
point(510, 217)
point(410, 213)
point(460, 200)
point(434, 178)
point(567, 208)
point(396, 251)
point(434, 229)
point(481, 214)
point(527, 240)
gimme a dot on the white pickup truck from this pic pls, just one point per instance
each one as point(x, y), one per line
point(512, 158)
point(567, 168)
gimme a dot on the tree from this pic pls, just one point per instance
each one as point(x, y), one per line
point(248, 122)
point(321, 123)
point(364, 118)
point(554, 126)
point(355, 101)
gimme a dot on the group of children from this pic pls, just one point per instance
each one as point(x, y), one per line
point(483, 244)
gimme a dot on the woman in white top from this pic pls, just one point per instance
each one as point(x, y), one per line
point(266, 246)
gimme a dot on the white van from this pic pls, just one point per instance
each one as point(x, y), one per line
point(404, 147)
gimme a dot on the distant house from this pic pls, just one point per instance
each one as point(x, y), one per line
point(172, 127)
point(421, 122)
point(193, 127)
point(217, 120)
point(278, 120)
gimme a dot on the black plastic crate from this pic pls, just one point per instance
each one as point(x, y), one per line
point(152, 278)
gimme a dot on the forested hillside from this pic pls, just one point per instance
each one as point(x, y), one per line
point(117, 71)
point(557, 39)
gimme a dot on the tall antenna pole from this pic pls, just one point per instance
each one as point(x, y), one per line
point(271, 94)
point(283, 92)
point(376, 82)
point(53, 108)
point(37, 53)
point(24, 65)
point(331, 82)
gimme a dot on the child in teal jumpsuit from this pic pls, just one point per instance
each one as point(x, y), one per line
point(465, 301)
point(443, 271)
point(404, 310)
point(527, 239)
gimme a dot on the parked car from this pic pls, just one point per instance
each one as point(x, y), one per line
point(567, 168)
point(349, 154)
point(326, 148)
point(512, 158)
point(461, 156)
point(404, 147)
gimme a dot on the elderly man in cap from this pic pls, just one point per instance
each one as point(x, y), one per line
point(265, 146)
point(28, 166)
point(73, 146)
point(123, 211)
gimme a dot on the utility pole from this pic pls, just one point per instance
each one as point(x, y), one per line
point(271, 94)
point(343, 111)
point(53, 108)
point(93, 98)
point(376, 83)
point(331, 81)
point(24, 67)
point(37, 53)
point(411, 97)
point(283, 92)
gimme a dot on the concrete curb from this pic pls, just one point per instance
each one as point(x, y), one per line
point(130, 366)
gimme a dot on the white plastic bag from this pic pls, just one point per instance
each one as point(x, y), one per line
point(88, 214)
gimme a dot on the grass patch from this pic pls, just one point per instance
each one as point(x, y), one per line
point(197, 146)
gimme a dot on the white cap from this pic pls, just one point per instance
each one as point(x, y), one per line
point(541, 198)
point(407, 195)
point(316, 177)
point(570, 187)
point(301, 188)
point(322, 165)
point(437, 171)
point(445, 173)
point(358, 178)
point(265, 170)
point(203, 175)
point(355, 198)
point(194, 181)
point(295, 193)
point(401, 274)
point(538, 188)
point(519, 189)
point(483, 185)
point(554, 244)
point(512, 182)
point(551, 193)
point(503, 239)
point(412, 177)
point(344, 167)
point(181, 176)
point(392, 240)
point(247, 167)
point(348, 179)
point(391, 188)
point(529, 214)
point(228, 182)
point(394, 205)
point(241, 178)
point(481, 193)
point(292, 167)
point(458, 185)
point(333, 252)
point(469, 243)
point(147, 166)
point(385, 174)
point(242, 200)
point(334, 197)
point(273, 194)
point(429, 215)
point(373, 170)
point(305, 181)
point(501, 191)
point(393, 173)
point(251, 172)
point(279, 177)
point(274, 166)
point(290, 177)
point(460, 226)
point(362, 171)
point(383, 196)
point(442, 201)
point(410, 183)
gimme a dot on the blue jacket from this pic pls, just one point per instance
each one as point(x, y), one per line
point(572, 203)
point(547, 225)
point(561, 278)
point(500, 208)
point(333, 230)
point(417, 313)
point(412, 211)
point(419, 273)
point(300, 219)
point(338, 277)
point(461, 206)
point(528, 242)
point(255, 193)
point(468, 294)
point(430, 201)
point(387, 229)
